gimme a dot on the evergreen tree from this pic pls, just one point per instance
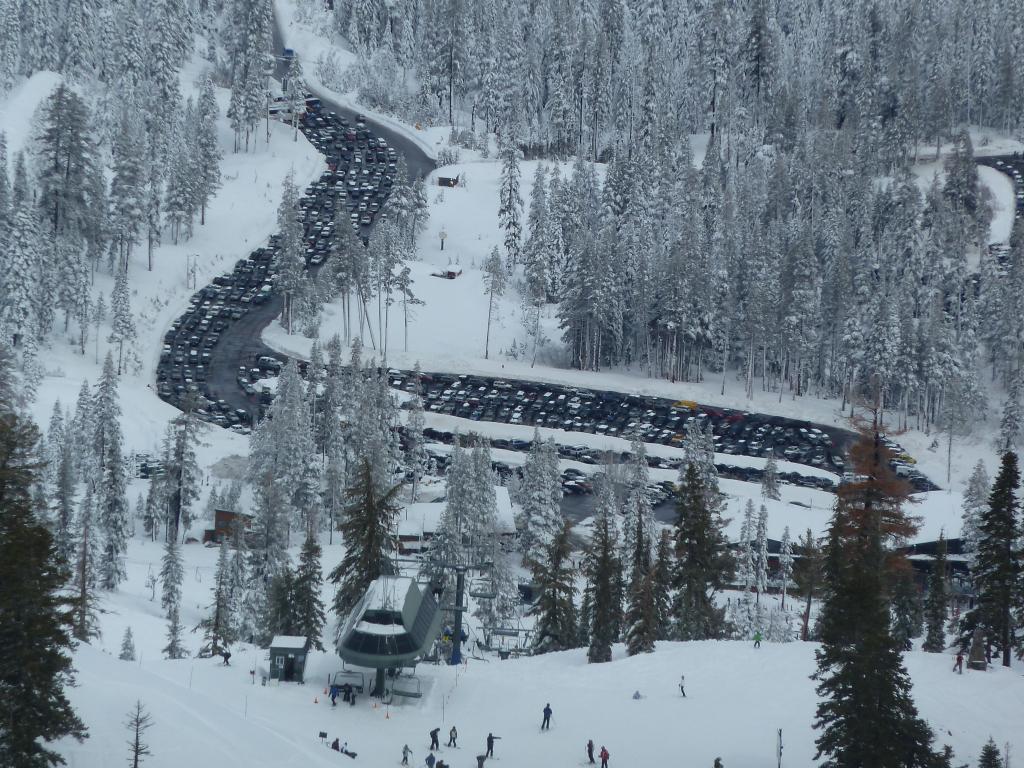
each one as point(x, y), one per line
point(207, 149)
point(761, 554)
point(87, 565)
point(555, 608)
point(866, 715)
point(663, 573)
point(770, 478)
point(510, 202)
point(367, 528)
point(181, 480)
point(1010, 424)
point(127, 188)
point(172, 574)
point(785, 563)
point(936, 601)
point(308, 607)
point(601, 569)
point(494, 281)
point(990, 756)
point(540, 497)
point(975, 503)
point(174, 648)
point(122, 325)
point(219, 626)
point(112, 500)
point(997, 573)
point(704, 563)
point(127, 646)
point(35, 666)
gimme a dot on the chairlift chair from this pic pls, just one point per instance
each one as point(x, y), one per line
point(408, 687)
point(482, 590)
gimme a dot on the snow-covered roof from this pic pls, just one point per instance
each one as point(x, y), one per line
point(369, 628)
point(387, 593)
point(423, 518)
point(297, 642)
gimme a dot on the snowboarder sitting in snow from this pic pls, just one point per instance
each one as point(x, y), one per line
point(336, 745)
point(344, 751)
point(718, 763)
point(636, 696)
point(604, 757)
point(546, 723)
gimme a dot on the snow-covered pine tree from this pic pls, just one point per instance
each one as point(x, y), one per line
point(33, 604)
point(122, 324)
point(111, 497)
point(936, 601)
point(540, 494)
point(181, 480)
point(1010, 423)
point(219, 625)
point(367, 528)
point(127, 646)
point(785, 563)
point(602, 570)
point(555, 608)
point(494, 283)
point(172, 574)
point(510, 201)
point(174, 648)
point(207, 149)
point(996, 577)
point(415, 454)
point(990, 756)
point(306, 602)
point(127, 198)
point(761, 554)
point(88, 556)
point(704, 563)
point(770, 478)
point(975, 502)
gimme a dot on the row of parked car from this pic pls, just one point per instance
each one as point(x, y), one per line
point(651, 419)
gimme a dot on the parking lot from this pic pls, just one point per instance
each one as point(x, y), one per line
point(197, 360)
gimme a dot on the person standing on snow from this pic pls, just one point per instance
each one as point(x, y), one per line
point(405, 754)
point(604, 757)
point(757, 639)
point(682, 685)
point(546, 723)
point(452, 736)
point(958, 665)
point(490, 744)
point(433, 739)
point(590, 751)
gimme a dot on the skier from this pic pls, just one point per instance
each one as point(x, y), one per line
point(452, 736)
point(546, 724)
point(490, 744)
point(433, 739)
point(346, 689)
point(604, 757)
point(590, 751)
point(718, 763)
point(757, 639)
point(226, 655)
point(958, 666)
point(334, 695)
point(430, 760)
point(405, 754)
point(682, 685)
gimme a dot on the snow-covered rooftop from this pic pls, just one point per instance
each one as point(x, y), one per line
point(297, 642)
point(387, 593)
point(423, 518)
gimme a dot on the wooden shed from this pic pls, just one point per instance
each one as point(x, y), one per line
point(288, 655)
point(447, 181)
point(223, 525)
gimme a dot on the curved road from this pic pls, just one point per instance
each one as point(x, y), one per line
point(241, 342)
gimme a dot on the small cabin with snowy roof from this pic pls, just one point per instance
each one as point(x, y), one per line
point(417, 523)
point(288, 654)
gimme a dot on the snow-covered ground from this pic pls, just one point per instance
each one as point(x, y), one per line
point(208, 716)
